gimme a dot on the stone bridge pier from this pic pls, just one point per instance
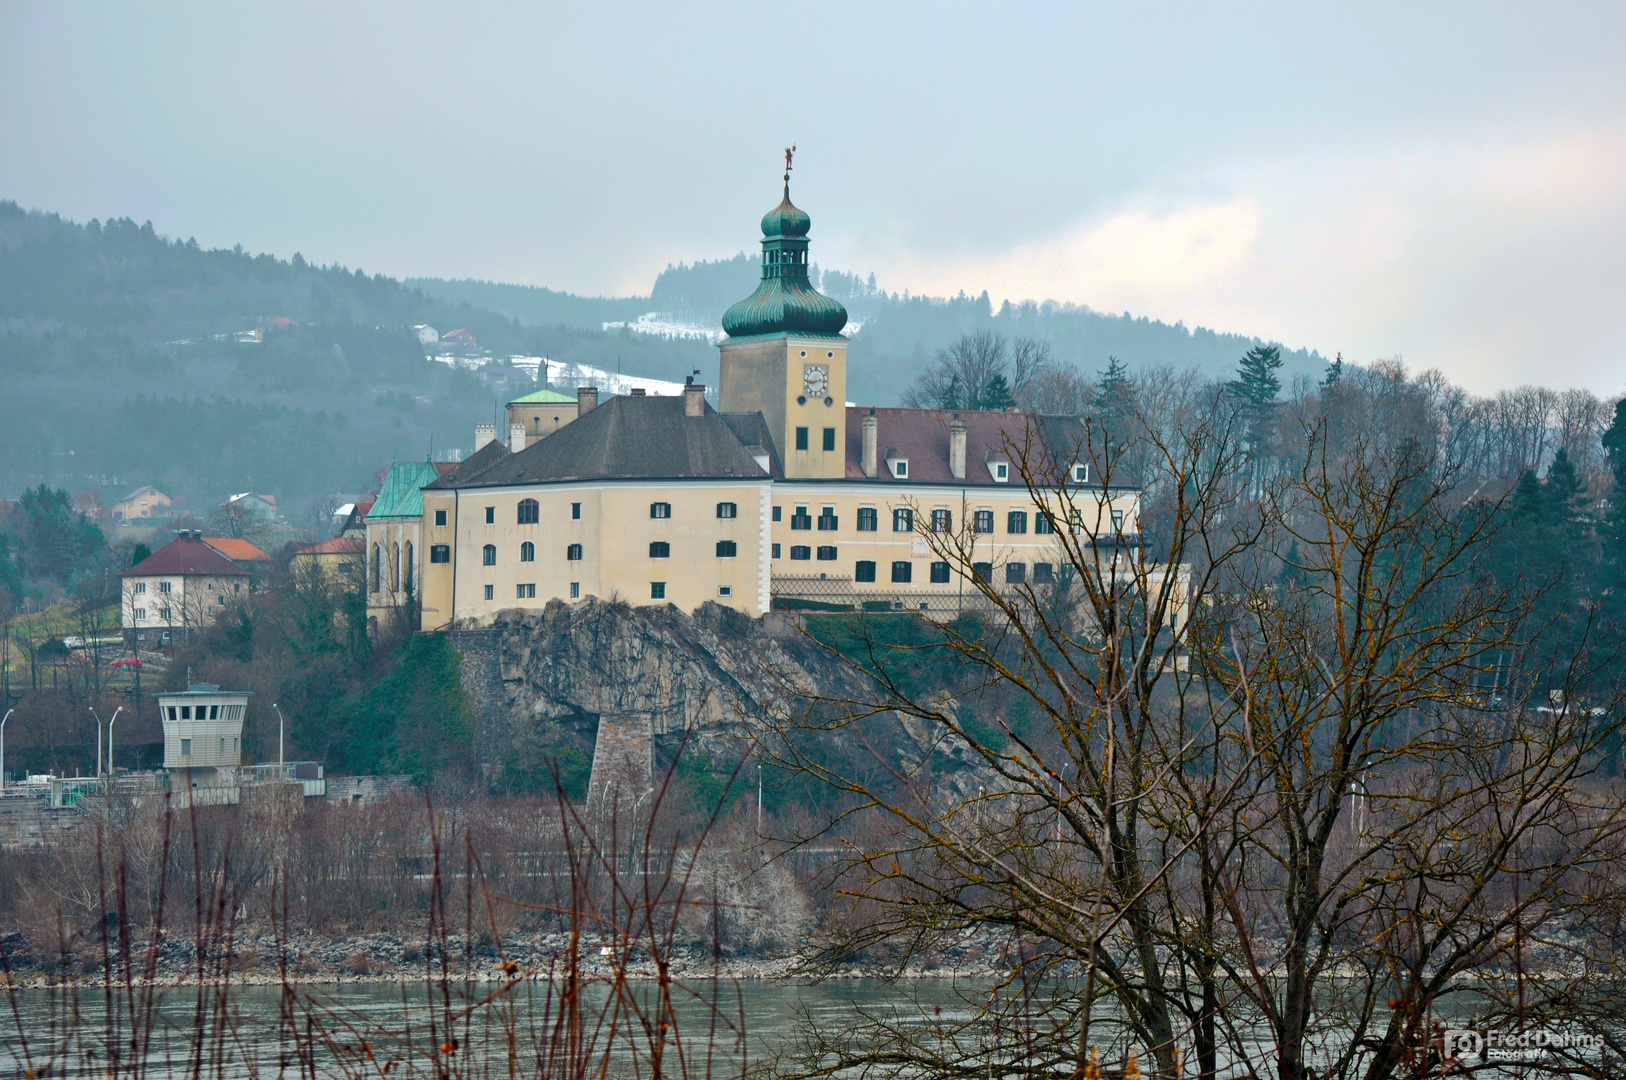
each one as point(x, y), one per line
point(623, 763)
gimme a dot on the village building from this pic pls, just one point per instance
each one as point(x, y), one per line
point(784, 496)
point(183, 586)
point(340, 559)
point(142, 504)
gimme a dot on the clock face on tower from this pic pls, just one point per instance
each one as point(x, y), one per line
point(815, 379)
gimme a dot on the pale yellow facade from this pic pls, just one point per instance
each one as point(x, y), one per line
point(594, 539)
point(822, 537)
point(158, 608)
point(394, 559)
point(799, 385)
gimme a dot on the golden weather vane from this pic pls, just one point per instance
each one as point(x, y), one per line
point(790, 151)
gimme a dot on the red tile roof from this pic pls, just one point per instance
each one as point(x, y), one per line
point(185, 555)
point(236, 550)
point(339, 545)
point(922, 437)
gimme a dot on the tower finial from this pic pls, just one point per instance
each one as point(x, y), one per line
point(790, 151)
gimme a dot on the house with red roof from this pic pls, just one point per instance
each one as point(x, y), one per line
point(183, 586)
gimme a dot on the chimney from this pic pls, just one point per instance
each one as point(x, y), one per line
point(516, 438)
point(694, 397)
point(868, 456)
point(957, 447)
point(586, 400)
point(484, 433)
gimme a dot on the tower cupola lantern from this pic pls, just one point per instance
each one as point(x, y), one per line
point(785, 301)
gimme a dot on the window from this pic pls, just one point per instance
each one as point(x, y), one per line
point(166, 613)
point(827, 519)
point(728, 510)
point(186, 712)
point(829, 439)
point(1042, 525)
point(725, 590)
point(983, 571)
point(165, 586)
point(440, 519)
point(525, 591)
point(942, 520)
point(221, 599)
point(800, 552)
point(903, 519)
point(660, 549)
point(867, 519)
point(488, 555)
point(799, 519)
point(1002, 472)
point(1081, 474)
point(527, 552)
point(901, 571)
point(440, 553)
point(491, 592)
point(775, 552)
point(528, 512)
point(345, 568)
point(801, 438)
point(573, 553)
point(140, 613)
point(1117, 521)
point(186, 747)
point(657, 590)
point(575, 511)
point(940, 573)
point(1043, 573)
point(900, 468)
point(1016, 573)
point(660, 510)
point(575, 590)
point(864, 570)
point(141, 586)
point(491, 515)
point(778, 513)
point(726, 549)
point(827, 553)
point(982, 521)
point(1016, 522)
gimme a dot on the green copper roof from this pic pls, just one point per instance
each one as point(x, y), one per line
point(785, 302)
point(544, 397)
point(401, 495)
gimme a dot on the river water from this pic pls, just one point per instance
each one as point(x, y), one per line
point(358, 1029)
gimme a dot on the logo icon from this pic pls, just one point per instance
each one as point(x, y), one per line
point(1461, 1044)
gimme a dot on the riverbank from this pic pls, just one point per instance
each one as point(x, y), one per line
point(312, 960)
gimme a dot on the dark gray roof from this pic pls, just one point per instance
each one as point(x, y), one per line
point(472, 466)
point(625, 438)
point(752, 431)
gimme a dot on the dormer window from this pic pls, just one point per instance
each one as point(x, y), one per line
point(999, 466)
point(1002, 472)
point(899, 467)
point(1081, 474)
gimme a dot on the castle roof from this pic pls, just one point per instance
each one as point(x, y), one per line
point(785, 301)
point(625, 438)
point(544, 397)
point(401, 497)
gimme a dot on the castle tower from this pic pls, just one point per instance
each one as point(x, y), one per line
point(784, 355)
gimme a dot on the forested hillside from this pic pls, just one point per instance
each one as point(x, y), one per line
point(122, 364)
point(898, 333)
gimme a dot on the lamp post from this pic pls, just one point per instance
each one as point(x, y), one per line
point(282, 722)
point(110, 724)
point(98, 740)
point(3, 720)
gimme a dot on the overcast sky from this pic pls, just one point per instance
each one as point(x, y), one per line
point(1447, 183)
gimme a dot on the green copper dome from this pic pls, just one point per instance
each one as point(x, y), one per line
point(785, 302)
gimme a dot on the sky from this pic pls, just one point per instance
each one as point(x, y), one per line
point(1443, 183)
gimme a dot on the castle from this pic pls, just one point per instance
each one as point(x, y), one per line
point(785, 496)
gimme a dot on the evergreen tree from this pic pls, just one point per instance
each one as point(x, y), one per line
point(1335, 371)
point(995, 395)
point(1114, 397)
point(1563, 494)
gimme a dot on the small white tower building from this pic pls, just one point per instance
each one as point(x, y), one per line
point(203, 727)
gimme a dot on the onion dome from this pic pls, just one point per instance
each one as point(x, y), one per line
point(785, 301)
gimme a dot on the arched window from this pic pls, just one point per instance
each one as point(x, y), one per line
point(529, 512)
point(527, 552)
point(378, 569)
point(409, 579)
point(489, 555)
point(395, 567)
